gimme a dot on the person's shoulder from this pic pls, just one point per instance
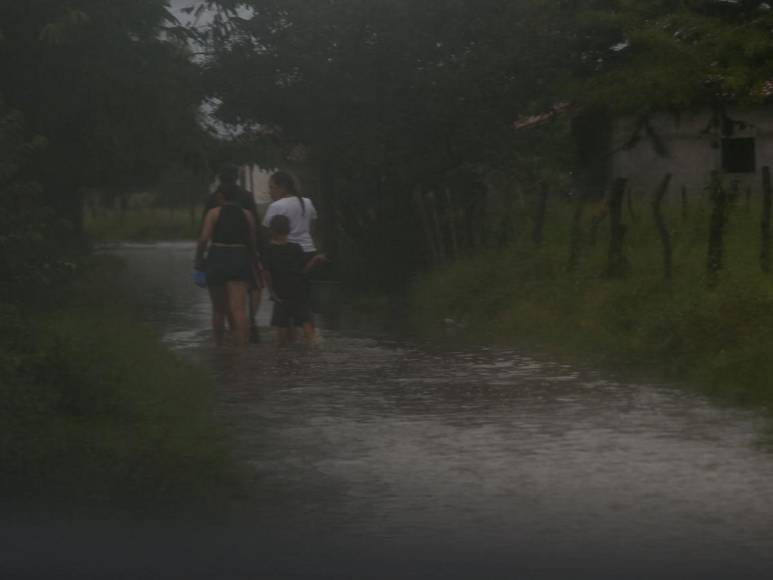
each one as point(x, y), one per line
point(275, 207)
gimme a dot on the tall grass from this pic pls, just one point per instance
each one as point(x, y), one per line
point(96, 412)
point(143, 224)
point(720, 339)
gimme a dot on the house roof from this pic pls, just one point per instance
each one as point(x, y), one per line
point(528, 121)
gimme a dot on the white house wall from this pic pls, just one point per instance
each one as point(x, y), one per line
point(692, 154)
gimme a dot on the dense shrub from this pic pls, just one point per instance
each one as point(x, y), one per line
point(95, 410)
point(718, 339)
point(34, 253)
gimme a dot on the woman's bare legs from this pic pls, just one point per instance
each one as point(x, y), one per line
point(309, 333)
point(219, 298)
point(255, 295)
point(283, 335)
point(237, 308)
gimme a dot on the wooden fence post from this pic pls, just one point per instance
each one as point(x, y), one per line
point(539, 220)
point(451, 218)
point(616, 260)
point(595, 223)
point(631, 211)
point(575, 248)
point(418, 198)
point(765, 226)
point(716, 229)
point(660, 223)
point(684, 203)
point(440, 243)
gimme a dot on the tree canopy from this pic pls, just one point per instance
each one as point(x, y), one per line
point(384, 97)
point(109, 85)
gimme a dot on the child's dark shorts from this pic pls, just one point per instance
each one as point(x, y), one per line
point(289, 313)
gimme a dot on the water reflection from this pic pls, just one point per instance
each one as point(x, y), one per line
point(489, 459)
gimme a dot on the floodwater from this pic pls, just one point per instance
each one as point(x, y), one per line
point(381, 457)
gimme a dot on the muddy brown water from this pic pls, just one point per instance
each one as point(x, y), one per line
point(381, 457)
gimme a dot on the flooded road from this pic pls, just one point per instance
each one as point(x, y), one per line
point(375, 457)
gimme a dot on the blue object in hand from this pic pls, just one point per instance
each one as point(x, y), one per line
point(200, 278)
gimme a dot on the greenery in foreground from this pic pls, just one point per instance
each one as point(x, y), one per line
point(96, 412)
point(719, 340)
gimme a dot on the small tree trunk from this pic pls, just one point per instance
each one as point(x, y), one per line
point(242, 177)
point(595, 223)
point(92, 200)
point(716, 230)
point(418, 198)
point(616, 260)
point(505, 234)
point(539, 220)
point(631, 211)
point(766, 207)
point(575, 249)
point(451, 217)
point(684, 203)
point(324, 176)
point(483, 222)
point(464, 243)
point(660, 223)
point(440, 243)
point(469, 219)
point(123, 205)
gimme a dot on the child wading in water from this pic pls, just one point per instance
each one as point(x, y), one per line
point(287, 279)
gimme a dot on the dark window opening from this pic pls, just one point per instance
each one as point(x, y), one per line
point(738, 156)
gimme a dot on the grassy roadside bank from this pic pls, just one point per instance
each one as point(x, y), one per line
point(95, 412)
point(141, 225)
point(719, 340)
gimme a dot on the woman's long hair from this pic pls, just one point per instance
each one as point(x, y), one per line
point(285, 181)
point(228, 192)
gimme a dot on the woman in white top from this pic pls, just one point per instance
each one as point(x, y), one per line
point(298, 209)
point(300, 212)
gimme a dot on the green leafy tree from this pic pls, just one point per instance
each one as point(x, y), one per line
point(674, 55)
point(30, 257)
point(110, 85)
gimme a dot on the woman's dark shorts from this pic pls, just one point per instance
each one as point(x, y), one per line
point(289, 313)
point(228, 264)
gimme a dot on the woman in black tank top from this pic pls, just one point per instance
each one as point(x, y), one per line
point(231, 227)
point(229, 234)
